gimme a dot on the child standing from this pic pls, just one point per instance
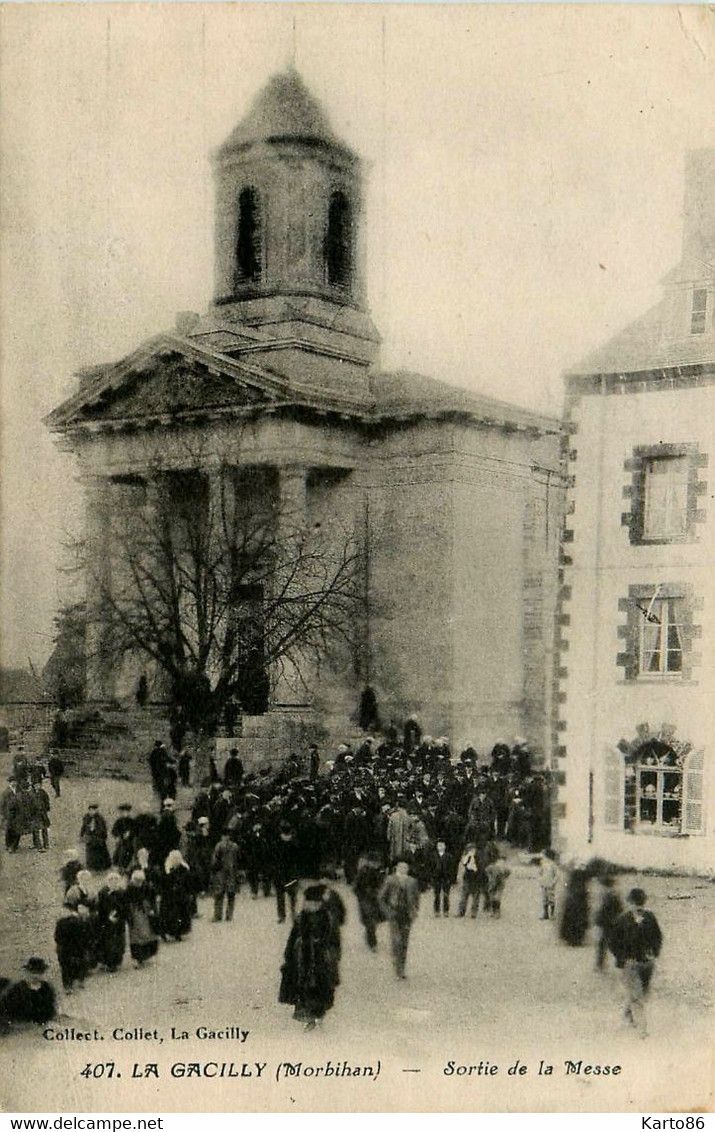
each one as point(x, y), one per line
point(548, 876)
point(497, 873)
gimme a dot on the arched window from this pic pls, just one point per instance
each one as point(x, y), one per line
point(248, 243)
point(338, 242)
point(654, 788)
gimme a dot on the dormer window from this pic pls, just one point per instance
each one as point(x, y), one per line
point(699, 311)
point(248, 243)
point(338, 242)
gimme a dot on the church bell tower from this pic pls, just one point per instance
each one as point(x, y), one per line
point(289, 235)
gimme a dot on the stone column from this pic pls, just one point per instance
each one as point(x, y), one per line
point(98, 580)
point(292, 680)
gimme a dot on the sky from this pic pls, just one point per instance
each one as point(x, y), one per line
point(525, 179)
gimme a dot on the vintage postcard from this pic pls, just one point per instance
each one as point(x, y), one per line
point(358, 632)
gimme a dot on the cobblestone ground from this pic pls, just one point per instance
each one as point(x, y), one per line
point(484, 990)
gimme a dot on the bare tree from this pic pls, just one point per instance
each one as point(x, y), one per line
point(206, 574)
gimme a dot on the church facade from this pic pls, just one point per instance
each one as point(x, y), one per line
point(636, 617)
point(453, 498)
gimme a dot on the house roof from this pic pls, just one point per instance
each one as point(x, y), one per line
point(645, 345)
point(660, 339)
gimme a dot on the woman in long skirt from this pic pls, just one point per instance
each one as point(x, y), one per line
point(310, 971)
point(111, 923)
point(141, 909)
point(574, 920)
point(176, 897)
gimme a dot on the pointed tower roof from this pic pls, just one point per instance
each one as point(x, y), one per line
point(283, 109)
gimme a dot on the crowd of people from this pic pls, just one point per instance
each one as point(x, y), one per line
point(25, 804)
point(396, 817)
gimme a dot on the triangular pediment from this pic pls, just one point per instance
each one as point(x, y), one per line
point(168, 377)
point(170, 383)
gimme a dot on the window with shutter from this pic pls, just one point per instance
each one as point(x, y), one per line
point(693, 815)
point(665, 497)
point(664, 490)
point(613, 789)
point(660, 631)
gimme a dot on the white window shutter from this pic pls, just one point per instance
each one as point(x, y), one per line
point(693, 816)
point(613, 789)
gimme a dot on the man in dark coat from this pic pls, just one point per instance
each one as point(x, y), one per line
point(225, 880)
point(94, 834)
point(221, 806)
point(442, 869)
point(636, 942)
point(233, 770)
point(254, 849)
point(283, 870)
point(56, 769)
point(367, 885)
point(607, 913)
point(31, 999)
point(11, 813)
point(168, 834)
point(313, 762)
point(145, 825)
point(183, 766)
point(157, 765)
point(481, 816)
point(356, 839)
point(201, 853)
point(41, 817)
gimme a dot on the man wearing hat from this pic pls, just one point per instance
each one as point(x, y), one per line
point(202, 853)
point(56, 769)
point(283, 871)
point(313, 762)
point(31, 999)
point(233, 770)
point(168, 834)
point(636, 941)
point(94, 834)
point(225, 880)
point(399, 900)
point(40, 809)
point(123, 831)
point(11, 815)
point(158, 757)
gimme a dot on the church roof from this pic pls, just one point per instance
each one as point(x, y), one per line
point(171, 379)
point(283, 108)
point(402, 393)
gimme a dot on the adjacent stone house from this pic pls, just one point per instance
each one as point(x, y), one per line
point(636, 615)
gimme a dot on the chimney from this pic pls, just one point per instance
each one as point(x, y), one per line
point(699, 205)
point(186, 321)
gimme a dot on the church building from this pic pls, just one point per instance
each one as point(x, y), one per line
point(636, 617)
point(454, 497)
